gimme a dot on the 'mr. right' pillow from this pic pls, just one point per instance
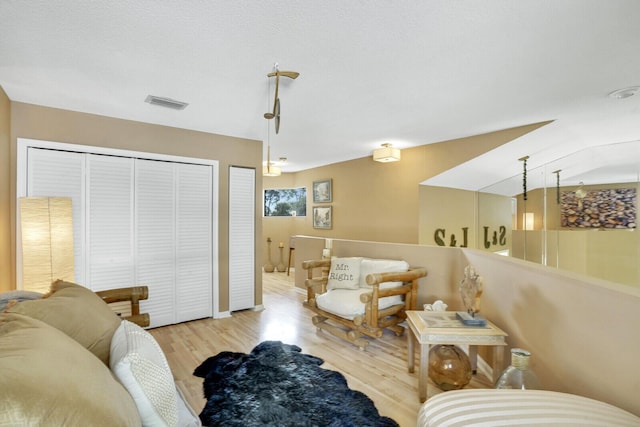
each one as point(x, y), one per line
point(344, 273)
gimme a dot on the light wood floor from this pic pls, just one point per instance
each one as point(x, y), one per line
point(380, 372)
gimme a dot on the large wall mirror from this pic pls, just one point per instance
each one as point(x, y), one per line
point(579, 213)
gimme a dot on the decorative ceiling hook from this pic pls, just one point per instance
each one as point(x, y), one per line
point(276, 101)
point(524, 176)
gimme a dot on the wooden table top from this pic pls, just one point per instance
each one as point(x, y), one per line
point(443, 327)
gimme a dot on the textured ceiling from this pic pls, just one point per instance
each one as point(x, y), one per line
point(406, 72)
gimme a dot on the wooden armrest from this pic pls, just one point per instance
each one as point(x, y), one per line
point(133, 295)
point(315, 263)
point(405, 276)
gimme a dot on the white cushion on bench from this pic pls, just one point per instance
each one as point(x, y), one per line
point(346, 302)
point(370, 266)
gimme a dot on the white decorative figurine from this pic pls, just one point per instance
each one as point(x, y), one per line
point(438, 305)
point(471, 291)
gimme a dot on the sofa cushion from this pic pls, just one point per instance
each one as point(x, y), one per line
point(139, 363)
point(369, 266)
point(346, 302)
point(76, 311)
point(344, 273)
point(49, 379)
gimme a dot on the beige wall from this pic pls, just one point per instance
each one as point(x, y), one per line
point(5, 194)
point(582, 332)
point(444, 214)
point(379, 201)
point(37, 122)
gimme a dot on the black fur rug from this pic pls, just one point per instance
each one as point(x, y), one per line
point(277, 385)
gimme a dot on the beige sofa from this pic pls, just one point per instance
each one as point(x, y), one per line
point(68, 359)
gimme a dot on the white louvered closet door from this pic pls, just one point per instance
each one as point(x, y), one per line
point(155, 213)
point(173, 240)
point(110, 222)
point(137, 222)
point(241, 238)
point(194, 256)
point(52, 173)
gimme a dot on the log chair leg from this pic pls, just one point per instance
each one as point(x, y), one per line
point(319, 321)
point(397, 329)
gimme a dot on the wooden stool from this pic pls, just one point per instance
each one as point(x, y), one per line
point(292, 248)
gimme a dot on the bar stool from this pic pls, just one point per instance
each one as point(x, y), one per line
point(292, 244)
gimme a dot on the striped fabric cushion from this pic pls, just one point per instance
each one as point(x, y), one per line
point(486, 407)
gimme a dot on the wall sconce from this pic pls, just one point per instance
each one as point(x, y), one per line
point(528, 219)
point(46, 239)
point(386, 154)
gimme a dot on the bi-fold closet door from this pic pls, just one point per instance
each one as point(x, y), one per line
point(136, 222)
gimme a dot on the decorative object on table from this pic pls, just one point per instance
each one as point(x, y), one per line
point(518, 375)
point(277, 385)
point(449, 367)
point(269, 267)
point(438, 305)
point(322, 217)
point(322, 191)
point(281, 267)
point(471, 292)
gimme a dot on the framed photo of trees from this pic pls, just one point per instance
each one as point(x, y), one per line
point(285, 202)
point(322, 191)
point(322, 217)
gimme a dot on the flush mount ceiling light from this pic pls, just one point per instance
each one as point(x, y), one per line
point(624, 93)
point(386, 154)
point(271, 170)
point(166, 102)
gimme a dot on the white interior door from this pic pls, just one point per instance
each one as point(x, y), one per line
point(242, 190)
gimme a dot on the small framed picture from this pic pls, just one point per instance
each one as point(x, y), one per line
point(322, 191)
point(322, 217)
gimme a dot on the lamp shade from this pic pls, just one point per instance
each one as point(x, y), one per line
point(46, 230)
point(271, 170)
point(528, 220)
point(386, 154)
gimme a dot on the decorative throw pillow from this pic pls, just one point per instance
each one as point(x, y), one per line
point(370, 266)
point(17, 296)
point(140, 365)
point(49, 379)
point(344, 273)
point(78, 312)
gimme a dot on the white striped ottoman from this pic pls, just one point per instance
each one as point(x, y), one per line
point(492, 408)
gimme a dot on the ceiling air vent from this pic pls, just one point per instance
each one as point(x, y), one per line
point(166, 102)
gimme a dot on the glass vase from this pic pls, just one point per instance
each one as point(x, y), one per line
point(449, 367)
point(518, 375)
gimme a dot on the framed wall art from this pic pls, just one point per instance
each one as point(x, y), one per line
point(322, 217)
point(608, 208)
point(322, 191)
